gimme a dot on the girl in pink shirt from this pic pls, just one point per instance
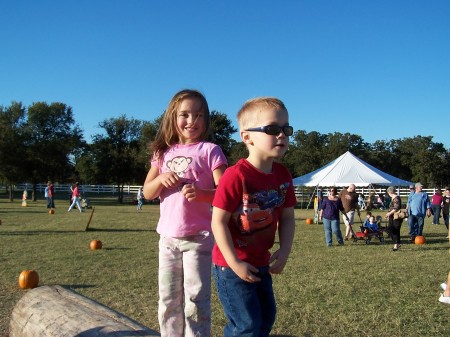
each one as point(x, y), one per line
point(185, 170)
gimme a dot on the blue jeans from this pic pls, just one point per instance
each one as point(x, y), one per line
point(410, 224)
point(50, 202)
point(332, 226)
point(417, 223)
point(249, 307)
point(436, 213)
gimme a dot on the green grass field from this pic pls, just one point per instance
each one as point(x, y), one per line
point(354, 290)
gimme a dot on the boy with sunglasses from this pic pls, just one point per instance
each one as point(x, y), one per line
point(254, 198)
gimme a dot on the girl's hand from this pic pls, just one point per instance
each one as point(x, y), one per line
point(169, 180)
point(190, 192)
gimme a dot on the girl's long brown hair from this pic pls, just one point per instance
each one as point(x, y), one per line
point(167, 134)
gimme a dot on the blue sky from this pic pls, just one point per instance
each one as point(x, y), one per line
point(379, 69)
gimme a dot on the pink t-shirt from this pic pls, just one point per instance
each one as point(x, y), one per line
point(75, 193)
point(194, 163)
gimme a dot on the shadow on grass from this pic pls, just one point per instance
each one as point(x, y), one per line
point(106, 230)
point(93, 229)
point(28, 210)
point(77, 286)
point(40, 232)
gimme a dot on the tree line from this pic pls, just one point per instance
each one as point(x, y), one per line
point(43, 142)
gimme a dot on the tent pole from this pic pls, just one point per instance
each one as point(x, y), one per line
point(312, 196)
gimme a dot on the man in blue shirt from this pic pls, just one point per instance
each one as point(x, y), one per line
point(418, 206)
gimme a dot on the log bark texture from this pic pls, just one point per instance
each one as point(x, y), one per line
point(59, 312)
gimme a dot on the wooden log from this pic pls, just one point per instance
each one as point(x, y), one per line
point(56, 311)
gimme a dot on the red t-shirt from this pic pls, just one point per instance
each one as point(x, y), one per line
point(256, 200)
point(436, 199)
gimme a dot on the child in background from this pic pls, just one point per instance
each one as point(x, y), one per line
point(372, 225)
point(445, 296)
point(75, 198)
point(255, 197)
point(185, 170)
point(140, 199)
point(368, 215)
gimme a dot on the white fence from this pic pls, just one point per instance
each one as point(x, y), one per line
point(304, 194)
point(92, 189)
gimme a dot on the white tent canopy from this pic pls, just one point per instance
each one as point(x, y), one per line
point(348, 169)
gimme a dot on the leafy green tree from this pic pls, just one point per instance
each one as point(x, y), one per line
point(115, 155)
point(238, 151)
point(223, 129)
point(52, 137)
point(426, 160)
point(12, 123)
point(305, 152)
point(338, 143)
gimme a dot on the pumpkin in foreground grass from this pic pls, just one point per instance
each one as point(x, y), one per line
point(28, 279)
point(96, 244)
point(309, 221)
point(419, 240)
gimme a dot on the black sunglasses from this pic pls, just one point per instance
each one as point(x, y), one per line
point(274, 130)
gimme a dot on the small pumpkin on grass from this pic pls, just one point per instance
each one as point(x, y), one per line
point(95, 244)
point(419, 240)
point(28, 279)
point(309, 221)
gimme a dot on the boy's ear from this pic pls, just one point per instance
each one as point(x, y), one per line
point(245, 136)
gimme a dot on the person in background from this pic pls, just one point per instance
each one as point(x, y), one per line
point(319, 198)
point(140, 198)
point(185, 170)
point(254, 199)
point(361, 201)
point(349, 200)
point(420, 207)
point(75, 198)
point(367, 220)
point(394, 225)
point(329, 214)
point(50, 193)
point(412, 190)
point(445, 207)
point(436, 203)
point(445, 296)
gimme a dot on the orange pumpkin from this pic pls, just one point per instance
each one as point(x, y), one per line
point(52, 211)
point(28, 279)
point(419, 240)
point(309, 221)
point(95, 244)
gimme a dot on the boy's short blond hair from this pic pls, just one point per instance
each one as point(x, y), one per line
point(248, 114)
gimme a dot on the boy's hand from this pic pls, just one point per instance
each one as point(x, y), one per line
point(246, 271)
point(280, 262)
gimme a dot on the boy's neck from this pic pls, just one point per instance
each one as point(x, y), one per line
point(264, 165)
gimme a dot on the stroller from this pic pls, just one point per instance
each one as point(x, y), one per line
point(369, 233)
point(85, 203)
